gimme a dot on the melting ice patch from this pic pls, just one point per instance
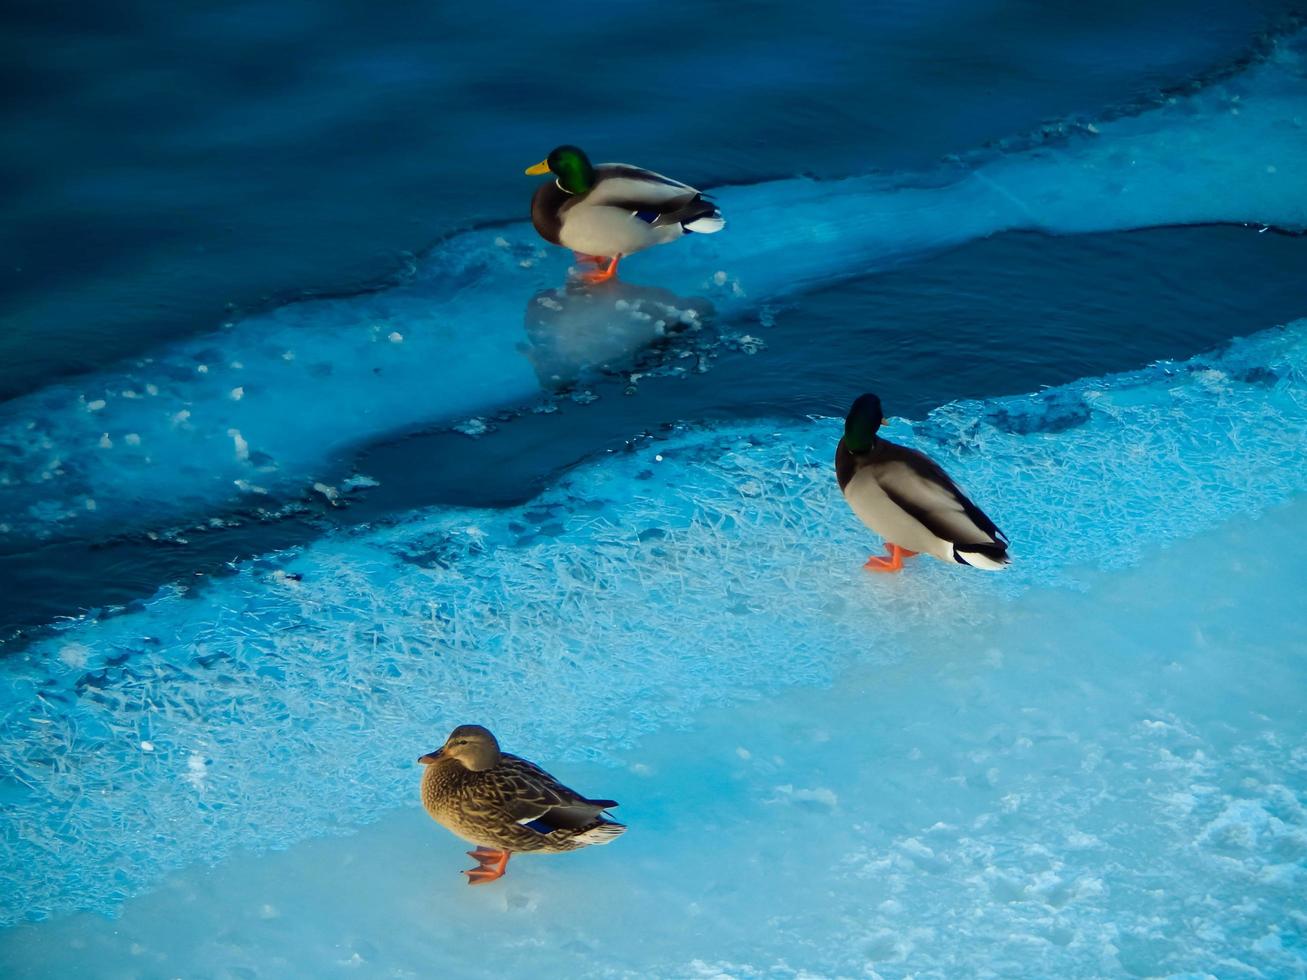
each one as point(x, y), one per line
point(263, 407)
point(290, 699)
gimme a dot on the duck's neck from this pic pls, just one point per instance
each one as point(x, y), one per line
point(441, 777)
point(862, 449)
point(576, 175)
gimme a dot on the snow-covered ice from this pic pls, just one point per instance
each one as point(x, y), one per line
point(1107, 782)
point(642, 600)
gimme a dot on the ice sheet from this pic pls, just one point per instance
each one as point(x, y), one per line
point(1106, 783)
point(264, 407)
point(289, 700)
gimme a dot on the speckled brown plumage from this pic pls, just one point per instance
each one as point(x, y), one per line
point(497, 800)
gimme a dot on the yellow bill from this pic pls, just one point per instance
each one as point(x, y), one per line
point(540, 168)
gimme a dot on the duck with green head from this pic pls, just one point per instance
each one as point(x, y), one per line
point(614, 209)
point(908, 499)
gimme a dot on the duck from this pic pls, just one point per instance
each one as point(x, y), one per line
point(613, 210)
point(506, 805)
point(906, 497)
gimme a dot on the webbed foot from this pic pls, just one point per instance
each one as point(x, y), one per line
point(490, 865)
point(601, 275)
point(893, 562)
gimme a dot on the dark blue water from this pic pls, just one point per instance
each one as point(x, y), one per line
point(166, 170)
point(164, 167)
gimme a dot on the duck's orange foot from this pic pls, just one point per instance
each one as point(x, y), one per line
point(491, 865)
point(893, 562)
point(601, 275)
point(583, 259)
point(878, 564)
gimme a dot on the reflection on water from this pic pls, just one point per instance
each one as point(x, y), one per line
point(577, 330)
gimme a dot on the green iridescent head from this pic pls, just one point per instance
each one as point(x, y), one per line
point(864, 418)
point(571, 166)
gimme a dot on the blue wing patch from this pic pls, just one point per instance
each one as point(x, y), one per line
point(540, 827)
point(648, 217)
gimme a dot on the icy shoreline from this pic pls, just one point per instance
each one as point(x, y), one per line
point(247, 713)
point(257, 411)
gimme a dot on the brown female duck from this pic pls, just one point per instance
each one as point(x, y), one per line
point(504, 804)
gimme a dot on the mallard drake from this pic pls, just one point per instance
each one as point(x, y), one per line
point(614, 209)
point(505, 804)
point(906, 498)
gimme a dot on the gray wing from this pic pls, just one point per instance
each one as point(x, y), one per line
point(657, 199)
point(920, 486)
point(623, 175)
